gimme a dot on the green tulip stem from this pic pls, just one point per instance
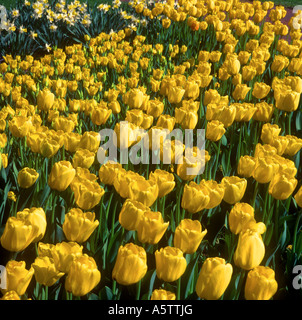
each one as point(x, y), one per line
point(178, 289)
point(138, 290)
point(255, 193)
point(217, 159)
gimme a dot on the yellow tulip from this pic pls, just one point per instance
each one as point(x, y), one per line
point(130, 265)
point(144, 191)
point(282, 186)
point(161, 294)
point(151, 227)
point(61, 175)
point(260, 284)
point(46, 272)
point(234, 188)
point(164, 180)
point(18, 277)
point(250, 250)
point(188, 235)
point(78, 225)
point(239, 216)
point(214, 278)
point(27, 177)
point(83, 276)
point(170, 263)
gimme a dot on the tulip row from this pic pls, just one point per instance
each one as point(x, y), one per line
point(74, 228)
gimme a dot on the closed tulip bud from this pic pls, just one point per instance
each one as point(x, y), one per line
point(234, 188)
point(61, 175)
point(87, 193)
point(215, 130)
point(166, 23)
point(18, 277)
point(78, 225)
point(188, 235)
point(265, 150)
point(260, 284)
point(186, 118)
point(64, 253)
point(122, 181)
point(190, 167)
point(269, 132)
point(46, 272)
point(250, 250)
point(282, 186)
point(214, 277)
point(131, 214)
point(246, 166)
point(130, 265)
point(191, 90)
point(164, 180)
point(170, 263)
point(83, 158)
point(175, 94)
point(108, 171)
point(239, 216)
point(45, 99)
point(27, 177)
point(151, 227)
point(83, 276)
point(195, 197)
point(144, 191)
point(135, 98)
point(279, 63)
point(240, 92)
point(155, 108)
point(161, 294)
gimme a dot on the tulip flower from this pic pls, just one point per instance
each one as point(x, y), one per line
point(287, 100)
point(61, 175)
point(260, 284)
point(261, 90)
point(87, 193)
point(131, 214)
point(130, 265)
point(215, 130)
point(239, 216)
point(161, 294)
point(188, 235)
point(216, 192)
point(45, 99)
point(264, 111)
point(108, 171)
point(170, 263)
point(250, 250)
point(144, 191)
point(37, 218)
point(265, 169)
point(151, 227)
point(164, 180)
point(10, 295)
point(27, 177)
point(214, 277)
point(195, 197)
point(63, 254)
point(294, 145)
point(78, 225)
point(175, 94)
point(83, 158)
point(246, 166)
point(18, 234)
point(282, 186)
point(46, 272)
point(234, 188)
point(90, 140)
point(240, 92)
point(298, 197)
point(83, 276)
point(269, 132)
point(18, 277)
